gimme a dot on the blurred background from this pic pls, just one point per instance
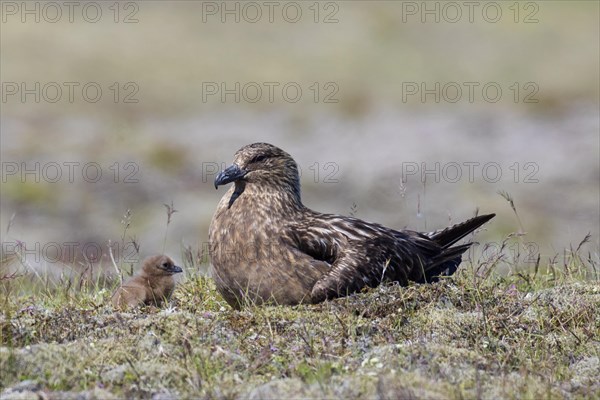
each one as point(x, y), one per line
point(410, 114)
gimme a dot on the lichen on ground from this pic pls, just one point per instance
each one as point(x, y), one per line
point(465, 337)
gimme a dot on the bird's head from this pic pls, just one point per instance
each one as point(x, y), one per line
point(160, 265)
point(265, 165)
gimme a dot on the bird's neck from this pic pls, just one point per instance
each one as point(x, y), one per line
point(269, 199)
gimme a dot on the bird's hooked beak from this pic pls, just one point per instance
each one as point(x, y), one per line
point(229, 174)
point(176, 269)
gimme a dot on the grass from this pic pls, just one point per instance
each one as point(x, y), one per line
point(531, 333)
point(501, 327)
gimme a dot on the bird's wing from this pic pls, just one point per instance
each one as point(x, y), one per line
point(360, 254)
point(360, 264)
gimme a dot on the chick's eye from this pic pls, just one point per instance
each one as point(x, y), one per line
point(165, 264)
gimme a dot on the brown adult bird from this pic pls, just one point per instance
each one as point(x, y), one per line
point(266, 246)
point(152, 285)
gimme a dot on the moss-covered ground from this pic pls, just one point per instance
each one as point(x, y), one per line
point(479, 334)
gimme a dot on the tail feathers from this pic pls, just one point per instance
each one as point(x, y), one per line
point(447, 237)
point(447, 262)
point(448, 255)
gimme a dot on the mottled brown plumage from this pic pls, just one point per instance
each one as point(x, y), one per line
point(266, 246)
point(152, 285)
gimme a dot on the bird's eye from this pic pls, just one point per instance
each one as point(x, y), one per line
point(259, 158)
point(165, 265)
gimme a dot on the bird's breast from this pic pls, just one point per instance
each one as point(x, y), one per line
point(250, 257)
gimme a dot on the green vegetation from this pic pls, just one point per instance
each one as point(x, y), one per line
point(527, 334)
